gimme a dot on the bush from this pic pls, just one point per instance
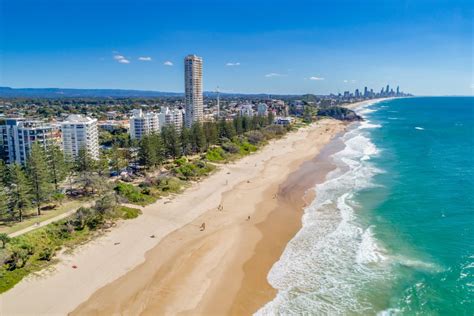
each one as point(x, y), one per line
point(46, 254)
point(255, 137)
point(133, 194)
point(246, 148)
point(215, 154)
point(128, 212)
point(231, 148)
point(193, 171)
point(169, 185)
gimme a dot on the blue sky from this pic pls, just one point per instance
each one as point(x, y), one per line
point(275, 46)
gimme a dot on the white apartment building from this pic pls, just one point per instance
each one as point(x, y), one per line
point(17, 135)
point(80, 132)
point(246, 110)
point(194, 105)
point(262, 109)
point(173, 117)
point(142, 123)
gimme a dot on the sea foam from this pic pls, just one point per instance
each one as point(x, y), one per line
point(324, 265)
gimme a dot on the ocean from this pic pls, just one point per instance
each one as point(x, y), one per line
point(391, 230)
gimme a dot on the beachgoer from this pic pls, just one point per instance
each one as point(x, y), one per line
point(248, 218)
point(203, 226)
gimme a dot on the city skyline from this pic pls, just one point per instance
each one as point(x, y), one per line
point(306, 47)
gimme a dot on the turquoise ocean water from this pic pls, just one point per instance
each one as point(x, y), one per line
point(391, 231)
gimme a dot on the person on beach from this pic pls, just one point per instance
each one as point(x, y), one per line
point(203, 226)
point(248, 218)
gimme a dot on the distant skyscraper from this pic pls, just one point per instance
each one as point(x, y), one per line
point(398, 90)
point(387, 90)
point(193, 90)
point(366, 93)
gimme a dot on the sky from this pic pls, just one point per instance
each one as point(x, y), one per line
point(248, 46)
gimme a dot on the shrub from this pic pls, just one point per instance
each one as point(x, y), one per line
point(230, 148)
point(128, 212)
point(169, 184)
point(133, 194)
point(215, 154)
point(46, 254)
point(255, 137)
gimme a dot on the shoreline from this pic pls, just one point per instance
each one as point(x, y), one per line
point(101, 263)
point(190, 270)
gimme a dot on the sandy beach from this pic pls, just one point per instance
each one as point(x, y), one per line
point(183, 270)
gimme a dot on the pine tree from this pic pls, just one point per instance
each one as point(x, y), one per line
point(57, 165)
point(4, 201)
point(4, 175)
point(171, 141)
point(270, 118)
point(102, 165)
point(39, 176)
point(84, 162)
point(19, 190)
point(118, 158)
point(238, 125)
point(151, 151)
point(198, 138)
point(186, 142)
point(211, 132)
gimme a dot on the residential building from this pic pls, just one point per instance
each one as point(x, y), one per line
point(143, 123)
point(17, 135)
point(171, 117)
point(262, 109)
point(246, 110)
point(193, 90)
point(78, 132)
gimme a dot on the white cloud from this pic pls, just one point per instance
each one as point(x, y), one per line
point(232, 64)
point(121, 59)
point(316, 78)
point(144, 58)
point(346, 81)
point(168, 63)
point(273, 74)
point(353, 81)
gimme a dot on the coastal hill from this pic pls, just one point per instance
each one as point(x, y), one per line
point(8, 92)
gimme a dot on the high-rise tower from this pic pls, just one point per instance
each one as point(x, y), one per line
point(193, 90)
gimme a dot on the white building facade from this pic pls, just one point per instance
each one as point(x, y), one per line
point(171, 117)
point(194, 105)
point(143, 123)
point(246, 110)
point(262, 109)
point(78, 132)
point(18, 135)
